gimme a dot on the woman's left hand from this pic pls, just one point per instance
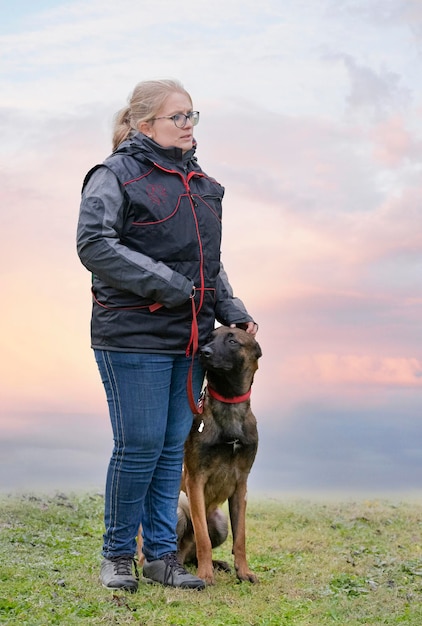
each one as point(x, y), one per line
point(250, 327)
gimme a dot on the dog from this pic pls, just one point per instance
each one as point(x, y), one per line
point(219, 453)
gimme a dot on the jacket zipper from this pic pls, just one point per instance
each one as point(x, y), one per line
point(194, 205)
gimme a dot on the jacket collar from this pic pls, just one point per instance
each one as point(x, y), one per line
point(137, 143)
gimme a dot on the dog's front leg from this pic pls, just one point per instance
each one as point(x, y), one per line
point(237, 509)
point(195, 492)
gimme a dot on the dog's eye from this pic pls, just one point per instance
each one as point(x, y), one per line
point(231, 339)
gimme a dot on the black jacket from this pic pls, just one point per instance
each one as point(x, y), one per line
point(149, 231)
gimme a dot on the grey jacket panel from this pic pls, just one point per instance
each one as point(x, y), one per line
point(228, 308)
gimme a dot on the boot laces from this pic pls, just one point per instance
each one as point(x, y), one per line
point(172, 566)
point(123, 566)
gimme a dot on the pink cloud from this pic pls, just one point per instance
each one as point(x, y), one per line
point(393, 142)
point(354, 369)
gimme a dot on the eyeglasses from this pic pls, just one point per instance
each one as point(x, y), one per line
point(180, 119)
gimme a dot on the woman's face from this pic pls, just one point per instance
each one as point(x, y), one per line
point(164, 131)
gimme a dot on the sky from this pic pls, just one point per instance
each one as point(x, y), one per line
point(311, 118)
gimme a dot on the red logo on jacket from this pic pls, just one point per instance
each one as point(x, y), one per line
point(156, 193)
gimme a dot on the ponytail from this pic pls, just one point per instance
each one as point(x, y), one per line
point(122, 126)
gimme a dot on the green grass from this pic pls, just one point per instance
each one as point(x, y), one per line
point(349, 564)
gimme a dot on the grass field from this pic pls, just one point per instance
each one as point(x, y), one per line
point(350, 564)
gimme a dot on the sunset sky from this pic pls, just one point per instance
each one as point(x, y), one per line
point(311, 117)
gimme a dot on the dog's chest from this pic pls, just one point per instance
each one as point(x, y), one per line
point(228, 443)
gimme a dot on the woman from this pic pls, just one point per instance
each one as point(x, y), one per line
point(150, 231)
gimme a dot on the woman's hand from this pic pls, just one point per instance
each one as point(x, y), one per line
point(250, 327)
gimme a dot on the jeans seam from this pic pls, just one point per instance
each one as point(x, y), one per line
point(114, 482)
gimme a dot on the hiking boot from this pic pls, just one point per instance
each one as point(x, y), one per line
point(116, 573)
point(168, 571)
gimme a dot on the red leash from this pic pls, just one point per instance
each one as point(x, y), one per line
point(196, 407)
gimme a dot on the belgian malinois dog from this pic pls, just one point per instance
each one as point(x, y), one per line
point(219, 454)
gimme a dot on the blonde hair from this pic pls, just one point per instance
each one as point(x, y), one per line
point(146, 100)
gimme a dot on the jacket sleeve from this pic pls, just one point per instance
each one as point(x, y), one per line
point(101, 222)
point(228, 308)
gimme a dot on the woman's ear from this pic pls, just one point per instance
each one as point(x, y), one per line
point(145, 128)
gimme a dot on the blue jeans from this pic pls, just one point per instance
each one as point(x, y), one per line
point(151, 418)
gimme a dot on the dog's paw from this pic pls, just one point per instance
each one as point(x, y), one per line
point(207, 575)
point(246, 575)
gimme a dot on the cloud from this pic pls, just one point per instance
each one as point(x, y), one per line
point(378, 90)
point(380, 12)
point(394, 143)
point(354, 369)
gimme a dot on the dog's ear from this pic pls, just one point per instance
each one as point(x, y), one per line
point(258, 351)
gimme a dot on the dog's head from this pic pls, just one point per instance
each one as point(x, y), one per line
point(231, 354)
